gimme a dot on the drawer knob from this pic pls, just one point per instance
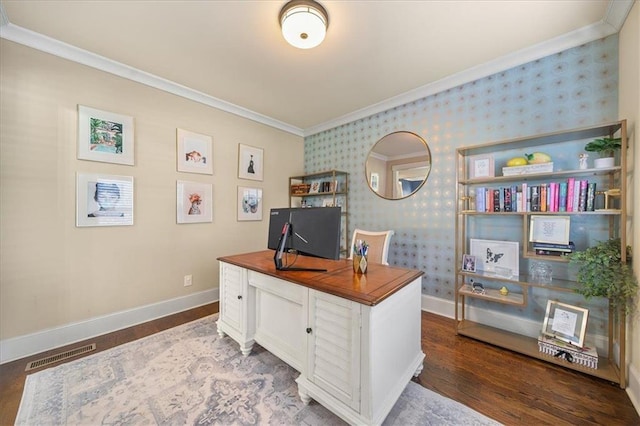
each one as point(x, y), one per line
point(239, 297)
point(308, 330)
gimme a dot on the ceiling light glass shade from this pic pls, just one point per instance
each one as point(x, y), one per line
point(304, 23)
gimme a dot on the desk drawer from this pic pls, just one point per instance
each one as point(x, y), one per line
point(284, 289)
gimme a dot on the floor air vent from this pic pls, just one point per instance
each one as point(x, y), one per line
point(60, 357)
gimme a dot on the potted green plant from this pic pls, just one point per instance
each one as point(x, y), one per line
point(606, 147)
point(601, 273)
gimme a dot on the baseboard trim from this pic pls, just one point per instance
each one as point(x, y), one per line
point(30, 344)
point(633, 386)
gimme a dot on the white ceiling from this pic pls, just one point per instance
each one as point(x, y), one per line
point(377, 54)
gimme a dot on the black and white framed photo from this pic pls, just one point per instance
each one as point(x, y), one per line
point(468, 263)
point(194, 202)
point(194, 152)
point(496, 257)
point(565, 322)
point(250, 162)
point(104, 200)
point(549, 229)
point(249, 203)
point(481, 166)
point(105, 136)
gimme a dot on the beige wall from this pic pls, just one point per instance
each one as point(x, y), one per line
point(629, 108)
point(53, 273)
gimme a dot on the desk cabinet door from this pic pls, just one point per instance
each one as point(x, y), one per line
point(232, 296)
point(334, 346)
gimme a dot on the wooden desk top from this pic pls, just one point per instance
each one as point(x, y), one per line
point(370, 289)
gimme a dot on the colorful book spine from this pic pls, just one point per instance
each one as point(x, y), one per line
point(480, 199)
point(570, 184)
point(543, 197)
point(562, 197)
point(591, 197)
point(507, 195)
point(535, 198)
point(497, 195)
point(526, 196)
point(576, 195)
point(582, 198)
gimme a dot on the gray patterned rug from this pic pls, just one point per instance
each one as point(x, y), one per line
point(188, 375)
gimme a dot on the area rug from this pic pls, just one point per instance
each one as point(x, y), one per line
point(189, 375)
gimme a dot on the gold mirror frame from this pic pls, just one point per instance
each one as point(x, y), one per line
point(398, 165)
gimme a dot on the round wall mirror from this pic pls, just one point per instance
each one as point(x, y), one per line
point(398, 165)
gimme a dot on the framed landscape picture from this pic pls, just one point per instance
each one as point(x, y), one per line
point(104, 200)
point(105, 136)
point(194, 152)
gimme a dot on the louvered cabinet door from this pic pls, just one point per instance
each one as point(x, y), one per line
point(334, 346)
point(232, 296)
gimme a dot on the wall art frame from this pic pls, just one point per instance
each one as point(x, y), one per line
point(565, 322)
point(105, 136)
point(549, 229)
point(496, 257)
point(104, 200)
point(468, 263)
point(249, 203)
point(250, 162)
point(194, 202)
point(194, 152)
point(481, 166)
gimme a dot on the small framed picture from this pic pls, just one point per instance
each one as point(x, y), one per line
point(194, 152)
point(374, 181)
point(250, 162)
point(496, 257)
point(194, 202)
point(481, 166)
point(315, 187)
point(565, 322)
point(249, 203)
point(550, 229)
point(105, 136)
point(468, 263)
point(104, 200)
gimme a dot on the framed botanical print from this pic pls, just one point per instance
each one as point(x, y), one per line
point(194, 202)
point(105, 136)
point(481, 166)
point(249, 203)
point(250, 162)
point(104, 200)
point(194, 152)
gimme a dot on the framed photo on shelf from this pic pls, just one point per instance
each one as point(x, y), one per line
point(104, 200)
point(315, 187)
point(194, 152)
point(194, 202)
point(468, 263)
point(549, 229)
point(481, 166)
point(250, 162)
point(496, 257)
point(565, 322)
point(105, 136)
point(249, 203)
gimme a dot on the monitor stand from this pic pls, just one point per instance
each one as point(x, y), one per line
point(277, 257)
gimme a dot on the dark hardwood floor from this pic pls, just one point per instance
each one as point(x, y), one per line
point(508, 387)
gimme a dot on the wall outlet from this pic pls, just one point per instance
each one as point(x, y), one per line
point(188, 280)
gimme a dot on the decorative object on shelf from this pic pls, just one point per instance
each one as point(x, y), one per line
point(194, 152)
point(249, 203)
point(606, 147)
point(586, 356)
point(528, 169)
point(565, 322)
point(582, 161)
point(517, 161)
point(250, 162)
point(104, 200)
point(468, 263)
point(504, 291)
point(194, 202)
point(549, 229)
point(608, 194)
point(105, 136)
point(541, 272)
point(538, 158)
point(481, 166)
point(497, 257)
point(304, 23)
point(601, 273)
point(314, 187)
point(360, 252)
point(477, 288)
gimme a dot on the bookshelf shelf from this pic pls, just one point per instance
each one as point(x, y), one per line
point(473, 220)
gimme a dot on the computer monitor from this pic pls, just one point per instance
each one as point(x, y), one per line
point(310, 231)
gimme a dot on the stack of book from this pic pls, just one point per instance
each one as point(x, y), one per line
point(551, 249)
point(586, 356)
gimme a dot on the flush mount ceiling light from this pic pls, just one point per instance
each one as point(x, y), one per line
point(304, 23)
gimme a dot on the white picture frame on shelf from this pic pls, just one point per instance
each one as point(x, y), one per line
point(249, 203)
point(481, 166)
point(194, 152)
point(104, 200)
point(565, 322)
point(496, 257)
point(194, 202)
point(250, 162)
point(549, 229)
point(105, 136)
